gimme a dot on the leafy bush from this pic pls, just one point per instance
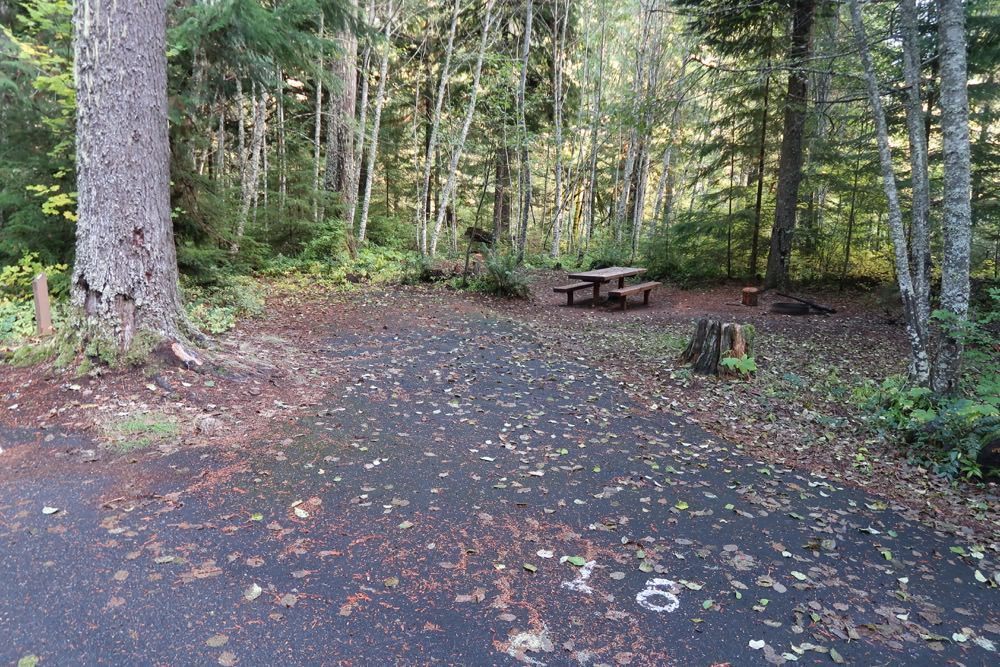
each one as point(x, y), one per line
point(15, 279)
point(215, 309)
point(17, 311)
point(946, 433)
point(388, 231)
point(417, 269)
point(504, 277)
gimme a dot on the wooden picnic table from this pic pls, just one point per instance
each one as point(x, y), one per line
point(601, 276)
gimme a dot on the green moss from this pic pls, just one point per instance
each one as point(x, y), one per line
point(85, 367)
point(101, 348)
point(31, 355)
point(142, 345)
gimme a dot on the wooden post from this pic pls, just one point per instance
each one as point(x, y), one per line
point(43, 312)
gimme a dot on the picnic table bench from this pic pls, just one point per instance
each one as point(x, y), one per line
point(570, 289)
point(622, 293)
point(599, 277)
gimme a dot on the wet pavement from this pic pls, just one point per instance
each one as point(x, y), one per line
point(468, 499)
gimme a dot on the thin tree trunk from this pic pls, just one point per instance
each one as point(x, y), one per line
point(470, 111)
point(241, 129)
point(920, 251)
point(501, 193)
point(525, 211)
point(920, 363)
point(282, 145)
point(850, 224)
point(956, 220)
point(359, 139)
point(558, 52)
point(220, 147)
point(761, 154)
point(125, 273)
point(591, 191)
point(376, 121)
point(425, 188)
point(251, 179)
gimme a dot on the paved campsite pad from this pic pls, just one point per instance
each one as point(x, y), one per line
point(420, 517)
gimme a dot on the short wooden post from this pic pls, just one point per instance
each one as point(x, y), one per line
point(43, 311)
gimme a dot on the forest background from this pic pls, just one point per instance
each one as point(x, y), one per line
point(704, 140)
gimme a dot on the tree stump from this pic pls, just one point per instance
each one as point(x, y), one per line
point(714, 341)
point(750, 295)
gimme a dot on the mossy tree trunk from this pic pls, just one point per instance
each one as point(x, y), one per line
point(125, 275)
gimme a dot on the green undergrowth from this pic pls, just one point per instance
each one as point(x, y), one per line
point(139, 431)
point(945, 433)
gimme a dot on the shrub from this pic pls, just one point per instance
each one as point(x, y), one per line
point(504, 277)
point(946, 433)
point(215, 309)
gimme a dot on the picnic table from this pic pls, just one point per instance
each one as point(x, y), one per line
point(602, 276)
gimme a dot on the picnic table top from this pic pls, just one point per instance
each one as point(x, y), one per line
point(610, 273)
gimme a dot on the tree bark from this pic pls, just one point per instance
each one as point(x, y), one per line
point(501, 193)
point(761, 154)
point(920, 251)
point(470, 111)
point(956, 220)
point(376, 121)
point(558, 54)
point(919, 358)
point(251, 173)
point(359, 139)
point(318, 129)
point(792, 155)
point(340, 123)
point(522, 235)
point(125, 273)
point(435, 122)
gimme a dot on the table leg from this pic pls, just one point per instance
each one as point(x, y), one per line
point(597, 293)
point(621, 283)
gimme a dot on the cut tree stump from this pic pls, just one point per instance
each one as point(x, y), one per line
point(714, 341)
point(750, 295)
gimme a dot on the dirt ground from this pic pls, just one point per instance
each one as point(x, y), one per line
point(797, 412)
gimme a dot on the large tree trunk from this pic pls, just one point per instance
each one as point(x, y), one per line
point(714, 341)
point(318, 129)
point(956, 220)
point(125, 275)
point(340, 124)
point(790, 162)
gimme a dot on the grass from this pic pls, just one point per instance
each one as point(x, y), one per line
point(140, 431)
